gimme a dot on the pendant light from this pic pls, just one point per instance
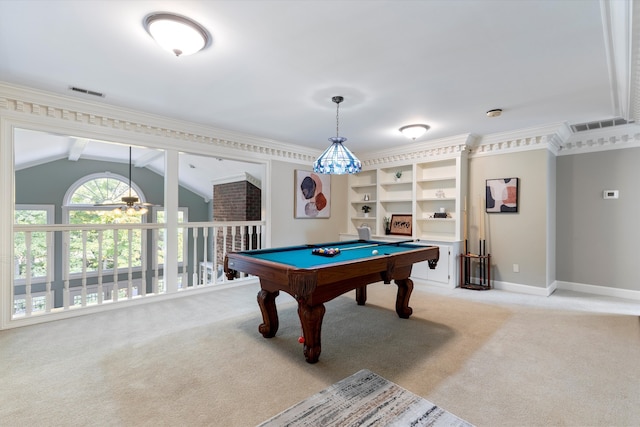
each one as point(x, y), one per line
point(337, 159)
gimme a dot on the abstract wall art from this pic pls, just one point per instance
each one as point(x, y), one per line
point(312, 197)
point(502, 195)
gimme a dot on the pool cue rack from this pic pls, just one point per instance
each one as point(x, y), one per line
point(482, 263)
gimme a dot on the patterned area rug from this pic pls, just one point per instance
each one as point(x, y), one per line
point(365, 399)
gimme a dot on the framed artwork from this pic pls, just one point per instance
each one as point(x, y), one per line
point(401, 224)
point(312, 195)
point(502, 195)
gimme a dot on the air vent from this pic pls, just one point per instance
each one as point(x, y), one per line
point(86, 91)
point(583, 127)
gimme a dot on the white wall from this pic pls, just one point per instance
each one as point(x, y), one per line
point(287, 230)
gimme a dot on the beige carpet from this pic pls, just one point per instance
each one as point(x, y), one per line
point(174, 364)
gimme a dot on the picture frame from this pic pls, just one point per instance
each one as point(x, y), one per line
point(502, 195)
point(401, 224)
point(312, 195)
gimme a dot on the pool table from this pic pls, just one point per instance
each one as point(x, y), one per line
point(314, 278)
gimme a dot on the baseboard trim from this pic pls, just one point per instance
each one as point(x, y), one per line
point(599, 290)
point(523, 289)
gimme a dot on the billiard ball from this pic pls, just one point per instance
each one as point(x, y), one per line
point(375, 252)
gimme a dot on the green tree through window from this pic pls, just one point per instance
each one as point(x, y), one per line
point(102, 247)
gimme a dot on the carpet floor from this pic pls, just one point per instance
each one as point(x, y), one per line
point(200, 361)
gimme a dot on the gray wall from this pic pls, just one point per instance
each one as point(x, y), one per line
point(515, 238)
point(596, 238)
point(48, 183)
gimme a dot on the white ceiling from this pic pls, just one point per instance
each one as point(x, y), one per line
point(273, 66)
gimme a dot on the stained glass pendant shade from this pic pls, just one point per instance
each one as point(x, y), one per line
point(337, 159)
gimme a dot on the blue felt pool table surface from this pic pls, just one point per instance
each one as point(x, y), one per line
point(302, 256)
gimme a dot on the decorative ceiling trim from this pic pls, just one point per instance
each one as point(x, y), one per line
point(56, 109)
point(550, 137)
point(627, 136)
point(429, 150)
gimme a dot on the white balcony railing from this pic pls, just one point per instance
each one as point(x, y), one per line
point(66, 267)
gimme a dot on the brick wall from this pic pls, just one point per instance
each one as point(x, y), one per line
point(236, 201)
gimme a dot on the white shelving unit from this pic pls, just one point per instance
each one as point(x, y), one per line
point(363, 191)
point(423, 189)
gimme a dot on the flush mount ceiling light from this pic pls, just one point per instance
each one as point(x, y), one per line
point(176, 34)
point(414, 131)
point(494, 113)
point(337, 159)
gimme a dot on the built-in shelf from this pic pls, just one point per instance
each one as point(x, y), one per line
point(423, 189)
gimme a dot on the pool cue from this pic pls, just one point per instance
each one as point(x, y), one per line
point(483, 245)
point(376, 244)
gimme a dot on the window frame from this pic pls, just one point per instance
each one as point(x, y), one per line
point(50, 214)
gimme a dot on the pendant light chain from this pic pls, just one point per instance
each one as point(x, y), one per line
point(337, 159)
point(337, 119)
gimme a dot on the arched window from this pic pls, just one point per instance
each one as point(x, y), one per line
point(92, 200)
point(100, 188)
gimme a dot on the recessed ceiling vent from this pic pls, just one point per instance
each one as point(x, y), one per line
point(86, 91)
point(582, 127)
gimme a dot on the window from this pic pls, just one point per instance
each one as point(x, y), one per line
point(31, 248)
point(92, 200)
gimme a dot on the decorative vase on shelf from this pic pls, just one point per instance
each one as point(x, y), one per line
point(366, 214)
point(397, 176)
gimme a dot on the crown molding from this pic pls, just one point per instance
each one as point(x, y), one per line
point(612, 138)
point(440, 148)
point(32, 105)
point(547, 137)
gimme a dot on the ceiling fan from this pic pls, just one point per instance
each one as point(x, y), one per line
point(130, 204)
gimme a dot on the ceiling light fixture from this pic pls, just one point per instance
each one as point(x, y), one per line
point(414, 131)
point(496, 112)
point(337, 159)
point(177, 34)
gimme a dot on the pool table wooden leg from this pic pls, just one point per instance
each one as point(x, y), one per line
point(361, 295)
point(405, 287)
point(267, 303)
point(311, 321)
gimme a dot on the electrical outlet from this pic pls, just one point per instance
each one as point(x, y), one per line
point(516, 268)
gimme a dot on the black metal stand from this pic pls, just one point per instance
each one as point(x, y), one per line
point(482, 261)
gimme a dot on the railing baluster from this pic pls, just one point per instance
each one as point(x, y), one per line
point(214, 256)
point(83, 299)
point(65, 270)
point(27, 274)
point(49, 273)
point(40, 283)
point(142, 289)
point(154, 264)
point(100, 267)
point(115, 291)
point(130, 265)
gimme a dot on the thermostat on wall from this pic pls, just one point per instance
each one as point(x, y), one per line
point(610, 194)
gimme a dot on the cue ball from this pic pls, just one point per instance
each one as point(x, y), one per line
point(375, 252)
